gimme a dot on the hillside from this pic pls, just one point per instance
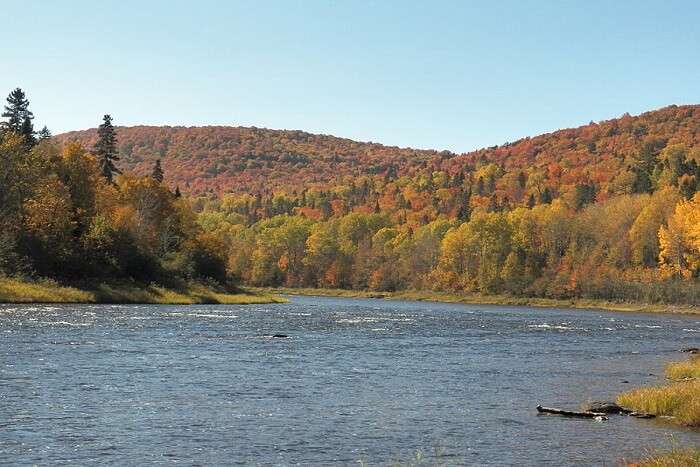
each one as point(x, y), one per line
point(608, 211)
point(237, 159)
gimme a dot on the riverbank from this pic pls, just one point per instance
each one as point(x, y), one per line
point(678, 399)
point(477, 299)
point(45, 291)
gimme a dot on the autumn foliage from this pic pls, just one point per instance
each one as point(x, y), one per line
point(608, 210)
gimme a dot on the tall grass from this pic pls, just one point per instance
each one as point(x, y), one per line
point(46, 291)
point(678, 371)
point(673, 458)
point(680, 400)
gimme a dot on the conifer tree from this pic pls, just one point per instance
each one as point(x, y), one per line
point(106, 149)
point(17, 112)
point(45, 133)
point(157, 173)
point(178, 194)
point(27, 131)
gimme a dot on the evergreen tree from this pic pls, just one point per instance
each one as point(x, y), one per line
point(17, 112)
point(106, 148)
point(464, 211)
point(531, 201)
point(491, 184)
point(27, 131)
point(179, 195)
point(522, 179)
point(45, 133)
point(157, 173)
point(480, 186)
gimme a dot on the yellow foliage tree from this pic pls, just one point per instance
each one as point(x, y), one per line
point(680, 240)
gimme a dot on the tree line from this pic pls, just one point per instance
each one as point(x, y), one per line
point(68, 212)
point(484, 227)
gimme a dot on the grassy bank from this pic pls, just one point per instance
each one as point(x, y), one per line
point(675, 458)
point(679, 399)
point(22, 291)
point(489, 299)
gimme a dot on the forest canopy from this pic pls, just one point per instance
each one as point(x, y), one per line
point(608, 210)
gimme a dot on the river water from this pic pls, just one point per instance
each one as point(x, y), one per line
point(358, 380)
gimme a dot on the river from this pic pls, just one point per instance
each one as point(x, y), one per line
point(357, 380)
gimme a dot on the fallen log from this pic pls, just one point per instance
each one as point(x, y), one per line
point(571, 413)
point(641, 414)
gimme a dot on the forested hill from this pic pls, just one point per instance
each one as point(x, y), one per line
point(237, 159)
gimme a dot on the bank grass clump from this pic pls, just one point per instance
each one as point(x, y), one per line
point(43, 291)
point(678, 400)
point(19, 290)
point(673, 458)
point(688, 370)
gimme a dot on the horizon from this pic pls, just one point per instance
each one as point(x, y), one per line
point(445, 76)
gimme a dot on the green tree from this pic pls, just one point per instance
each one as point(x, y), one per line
point(106, 149)
point(17, 112)
point(44, 134)
point(157, 173)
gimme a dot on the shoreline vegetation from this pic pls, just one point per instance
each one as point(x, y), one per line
point(678, 401)
point(48, 291)
point(478, 299)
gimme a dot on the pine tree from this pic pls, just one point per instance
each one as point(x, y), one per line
point(17, 112)
point(157, 173)
point(45, 133)
point(106, 149)
point(464, 213)
point(27, 131)
point(531, 201)
point(179, 195)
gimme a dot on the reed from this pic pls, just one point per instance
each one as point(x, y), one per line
point(679, 400)
point(678, 371)
point(15, 290)
point(673, 458)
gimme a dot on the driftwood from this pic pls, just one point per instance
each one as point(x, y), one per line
point(640, 414)
point(600, 416)
point(571, 413)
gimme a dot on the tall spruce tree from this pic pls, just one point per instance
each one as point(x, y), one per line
point(17, 111)
point(44, 133)
point(157, 173)
point(27, 131)
point(106, 149)
point(19, 117)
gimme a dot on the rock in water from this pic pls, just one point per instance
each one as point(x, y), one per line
point(602, 407)
point(280, 336)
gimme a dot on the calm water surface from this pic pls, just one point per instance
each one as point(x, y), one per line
point(358, 380)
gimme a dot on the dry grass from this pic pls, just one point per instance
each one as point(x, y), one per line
point(680, 400)
point(479, 299)
point(674, 458)
point(19, 291)
point(22, 291)
point(678, 371)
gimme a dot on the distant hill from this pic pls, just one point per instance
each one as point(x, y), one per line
point(237, 159)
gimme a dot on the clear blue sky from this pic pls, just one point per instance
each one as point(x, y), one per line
point(452, 75)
